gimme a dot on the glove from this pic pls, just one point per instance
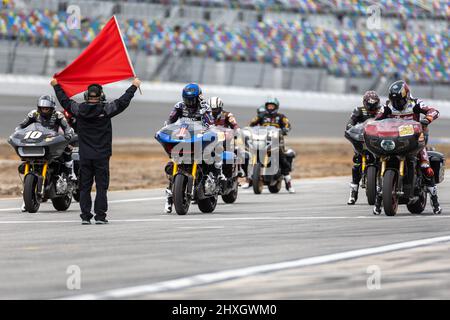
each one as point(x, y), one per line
point(425, 121)
point(68, 137)
point(284, 131)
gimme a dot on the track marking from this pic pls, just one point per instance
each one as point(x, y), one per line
point(184, 220)
point(10, 209)
point(137, 200)
point(112, 201)
point(221, 276)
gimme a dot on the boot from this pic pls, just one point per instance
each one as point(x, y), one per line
point(247, 184)
point(22, 207)
point(434, 200)
point(353, 194)
point(169, 201)
point(241, 172)
point(288, 181)
point(378, 201)
point(70, 171)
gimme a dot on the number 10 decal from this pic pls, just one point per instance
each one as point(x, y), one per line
point(33, 135)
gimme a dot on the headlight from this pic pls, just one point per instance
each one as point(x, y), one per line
point(388, 145)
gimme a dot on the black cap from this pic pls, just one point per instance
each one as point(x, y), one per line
point(95, 91)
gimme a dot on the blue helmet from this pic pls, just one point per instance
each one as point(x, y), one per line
point(191, 95)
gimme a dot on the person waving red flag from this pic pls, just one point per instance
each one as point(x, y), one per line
point(105, 60)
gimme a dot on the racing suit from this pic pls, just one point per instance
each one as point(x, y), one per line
point(412, 111)
point(359, 115)
point(277, 120)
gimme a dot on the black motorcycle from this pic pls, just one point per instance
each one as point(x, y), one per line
point(400, 178)
point(45, 176)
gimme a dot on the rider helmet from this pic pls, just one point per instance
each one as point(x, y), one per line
point(371, 101)
point(192, 96)
point(399, 94)
point(46, 105)
point(272, 105)
point(216, 105)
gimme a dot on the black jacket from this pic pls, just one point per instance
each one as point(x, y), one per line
point(94, 122)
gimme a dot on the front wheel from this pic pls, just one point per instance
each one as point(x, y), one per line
point(418, 206)
point(207, 205)
point(30, 197)
point(258, 183)
point(181, 199)
point(232, 196)
point(277, 187)
point(390, 197)
point(371, 184)
point(62, 203)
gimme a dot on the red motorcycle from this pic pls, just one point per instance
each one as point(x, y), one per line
point(397, 142)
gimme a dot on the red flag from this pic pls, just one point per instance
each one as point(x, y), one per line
point(105, 60)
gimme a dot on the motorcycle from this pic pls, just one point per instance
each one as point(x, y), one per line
point(194, 152)
point(45, 178)
point(264, 144)
point(397, 142)
point(370, 163)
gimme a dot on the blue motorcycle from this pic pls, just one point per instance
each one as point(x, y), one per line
point(195, 154)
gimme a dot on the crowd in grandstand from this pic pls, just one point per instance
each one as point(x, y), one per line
point(420, 56)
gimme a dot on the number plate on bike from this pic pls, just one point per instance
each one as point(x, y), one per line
point(407, 130)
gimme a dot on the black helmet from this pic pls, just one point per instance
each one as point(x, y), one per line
point(46, 101)
point(399, 94)
point(371, 101)
point(273, 101)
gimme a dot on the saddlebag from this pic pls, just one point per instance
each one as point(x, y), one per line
point(437, 162)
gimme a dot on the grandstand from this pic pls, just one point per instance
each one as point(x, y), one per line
point(291, 44)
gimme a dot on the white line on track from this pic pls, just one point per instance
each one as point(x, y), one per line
point(214, 277)
point(112, 201)
point(187, 219)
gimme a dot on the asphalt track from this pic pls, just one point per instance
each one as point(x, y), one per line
point(285, 246)
point(142, 120)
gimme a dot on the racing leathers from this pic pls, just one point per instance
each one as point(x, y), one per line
point(413, 111)
point(202, 113)
point(359, 115)
point(277, 120)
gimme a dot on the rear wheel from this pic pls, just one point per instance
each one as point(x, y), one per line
point(390, 197)
point(418, 206)
point(207, 205)
point(276, 188)
point(258, 183)
point(180, 198)
point(30, 197)
point(62, 203)
point(371, 185)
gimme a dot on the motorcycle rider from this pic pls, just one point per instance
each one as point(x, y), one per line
point(47, 115)
point(402, 105)
point(368, 110)
point(248, 183)
point(221, 117)
point(224, 119)
point(271, 117)
point(195, 107)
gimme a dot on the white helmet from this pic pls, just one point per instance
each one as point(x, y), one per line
point(216, 105)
